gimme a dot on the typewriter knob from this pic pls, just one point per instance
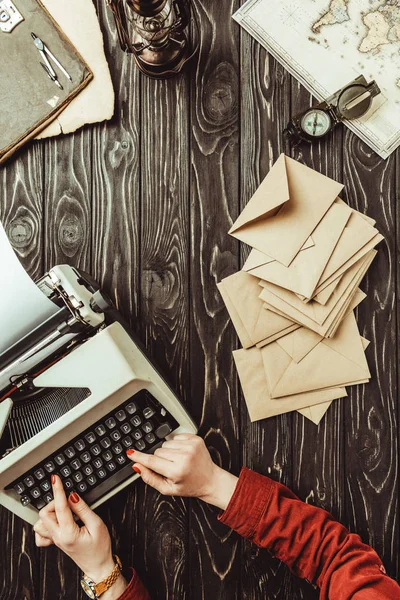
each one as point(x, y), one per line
point(100, 302)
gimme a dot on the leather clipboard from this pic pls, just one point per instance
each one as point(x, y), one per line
point(29, 100)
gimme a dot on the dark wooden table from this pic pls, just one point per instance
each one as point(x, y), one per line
point(144, 203)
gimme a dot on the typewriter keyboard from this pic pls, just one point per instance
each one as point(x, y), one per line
point(95, 462)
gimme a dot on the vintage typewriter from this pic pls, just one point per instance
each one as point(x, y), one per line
point(75, 393)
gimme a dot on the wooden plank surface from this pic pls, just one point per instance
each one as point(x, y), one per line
point(144, 203)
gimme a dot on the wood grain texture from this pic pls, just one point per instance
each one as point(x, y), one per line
point(144, 203)
point(266, 444)
point(21, 213)
point(371, 416)
point(214, 559)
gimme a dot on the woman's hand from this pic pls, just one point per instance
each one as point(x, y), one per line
point(88, 546)
point(183, 467)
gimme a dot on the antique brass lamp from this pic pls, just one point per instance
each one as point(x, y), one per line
point(154, 32)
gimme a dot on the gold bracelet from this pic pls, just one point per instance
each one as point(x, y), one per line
point(95, 590)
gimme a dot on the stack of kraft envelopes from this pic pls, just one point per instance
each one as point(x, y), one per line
point(292, 304)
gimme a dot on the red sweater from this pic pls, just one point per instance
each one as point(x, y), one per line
point(308, 539)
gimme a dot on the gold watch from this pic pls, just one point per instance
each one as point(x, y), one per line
point(95, 590)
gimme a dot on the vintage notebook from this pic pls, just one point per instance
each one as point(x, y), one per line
point(29, 100)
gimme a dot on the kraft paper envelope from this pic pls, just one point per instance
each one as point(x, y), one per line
point(299, 343)
point(304, 272)
point(252, 377)
point(258, 259)
point(278, 335)
point(316, 412)
point(362, 252)
point(335, 362)
point(355, 236)
point(285, 209)
point(253, 324)
point(314, 315)
point(369, 220)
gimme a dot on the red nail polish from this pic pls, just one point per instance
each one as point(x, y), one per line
point(130, 452)
point(135, 468)
point(74, 498)
point(53, 479)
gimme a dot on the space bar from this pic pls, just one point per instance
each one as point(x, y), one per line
point(109, 484)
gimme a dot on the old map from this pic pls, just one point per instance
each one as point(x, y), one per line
point(327, 43)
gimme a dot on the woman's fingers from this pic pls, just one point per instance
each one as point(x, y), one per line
point(154, 463)
point(170, 454)
point(48, 517)
point(177, 444)
point(62, 509)
point(41, 530)
point(153, 479)
point(42, 542)
point(84, 512)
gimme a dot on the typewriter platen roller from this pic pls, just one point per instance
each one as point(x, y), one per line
point(66, 374)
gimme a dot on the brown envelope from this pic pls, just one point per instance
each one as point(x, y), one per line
point(335, 362)
point(252, 377)
point(252, 322)
point(258, 259)
point(316, 412)
point(357, 233)
point(304, 272)
point(278, 335)
point(299, 343)
point(317, 317)
point(285, 209)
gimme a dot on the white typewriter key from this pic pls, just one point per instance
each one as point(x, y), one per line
point(35, 493)
point(85, 457)
point(127, 441)
point(87, 469)
point(48, 498)
point(117, 449)
point(136, 421)
point(115, 436)
point(66, 471)
point(148, 412)
point(111, 466)
point(45, 485)
point(39, 474)
point(140, 445)
point(98, 463)
point(50, 466)
point(76, 464)
point(100, 430)
point(106, 442)
point(81, 487)
point(102, 473)
point(137, 434)
point(121, 416)
point(126, 428)
point(59, 459)
point(150, 438)
point(68, 484)
point(111, 423)
point(147, 427)
point(107, 456)
point(77, 476)
point(80, 445)
point(29, 481)
point(69, 452)
point(19, 488)
point(91, 480)
point(90, 437)
point(96, 450)
point(25, 500)
point(131, 408)
point(121, 460)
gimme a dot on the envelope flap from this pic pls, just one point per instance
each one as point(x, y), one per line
point(270, 195)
